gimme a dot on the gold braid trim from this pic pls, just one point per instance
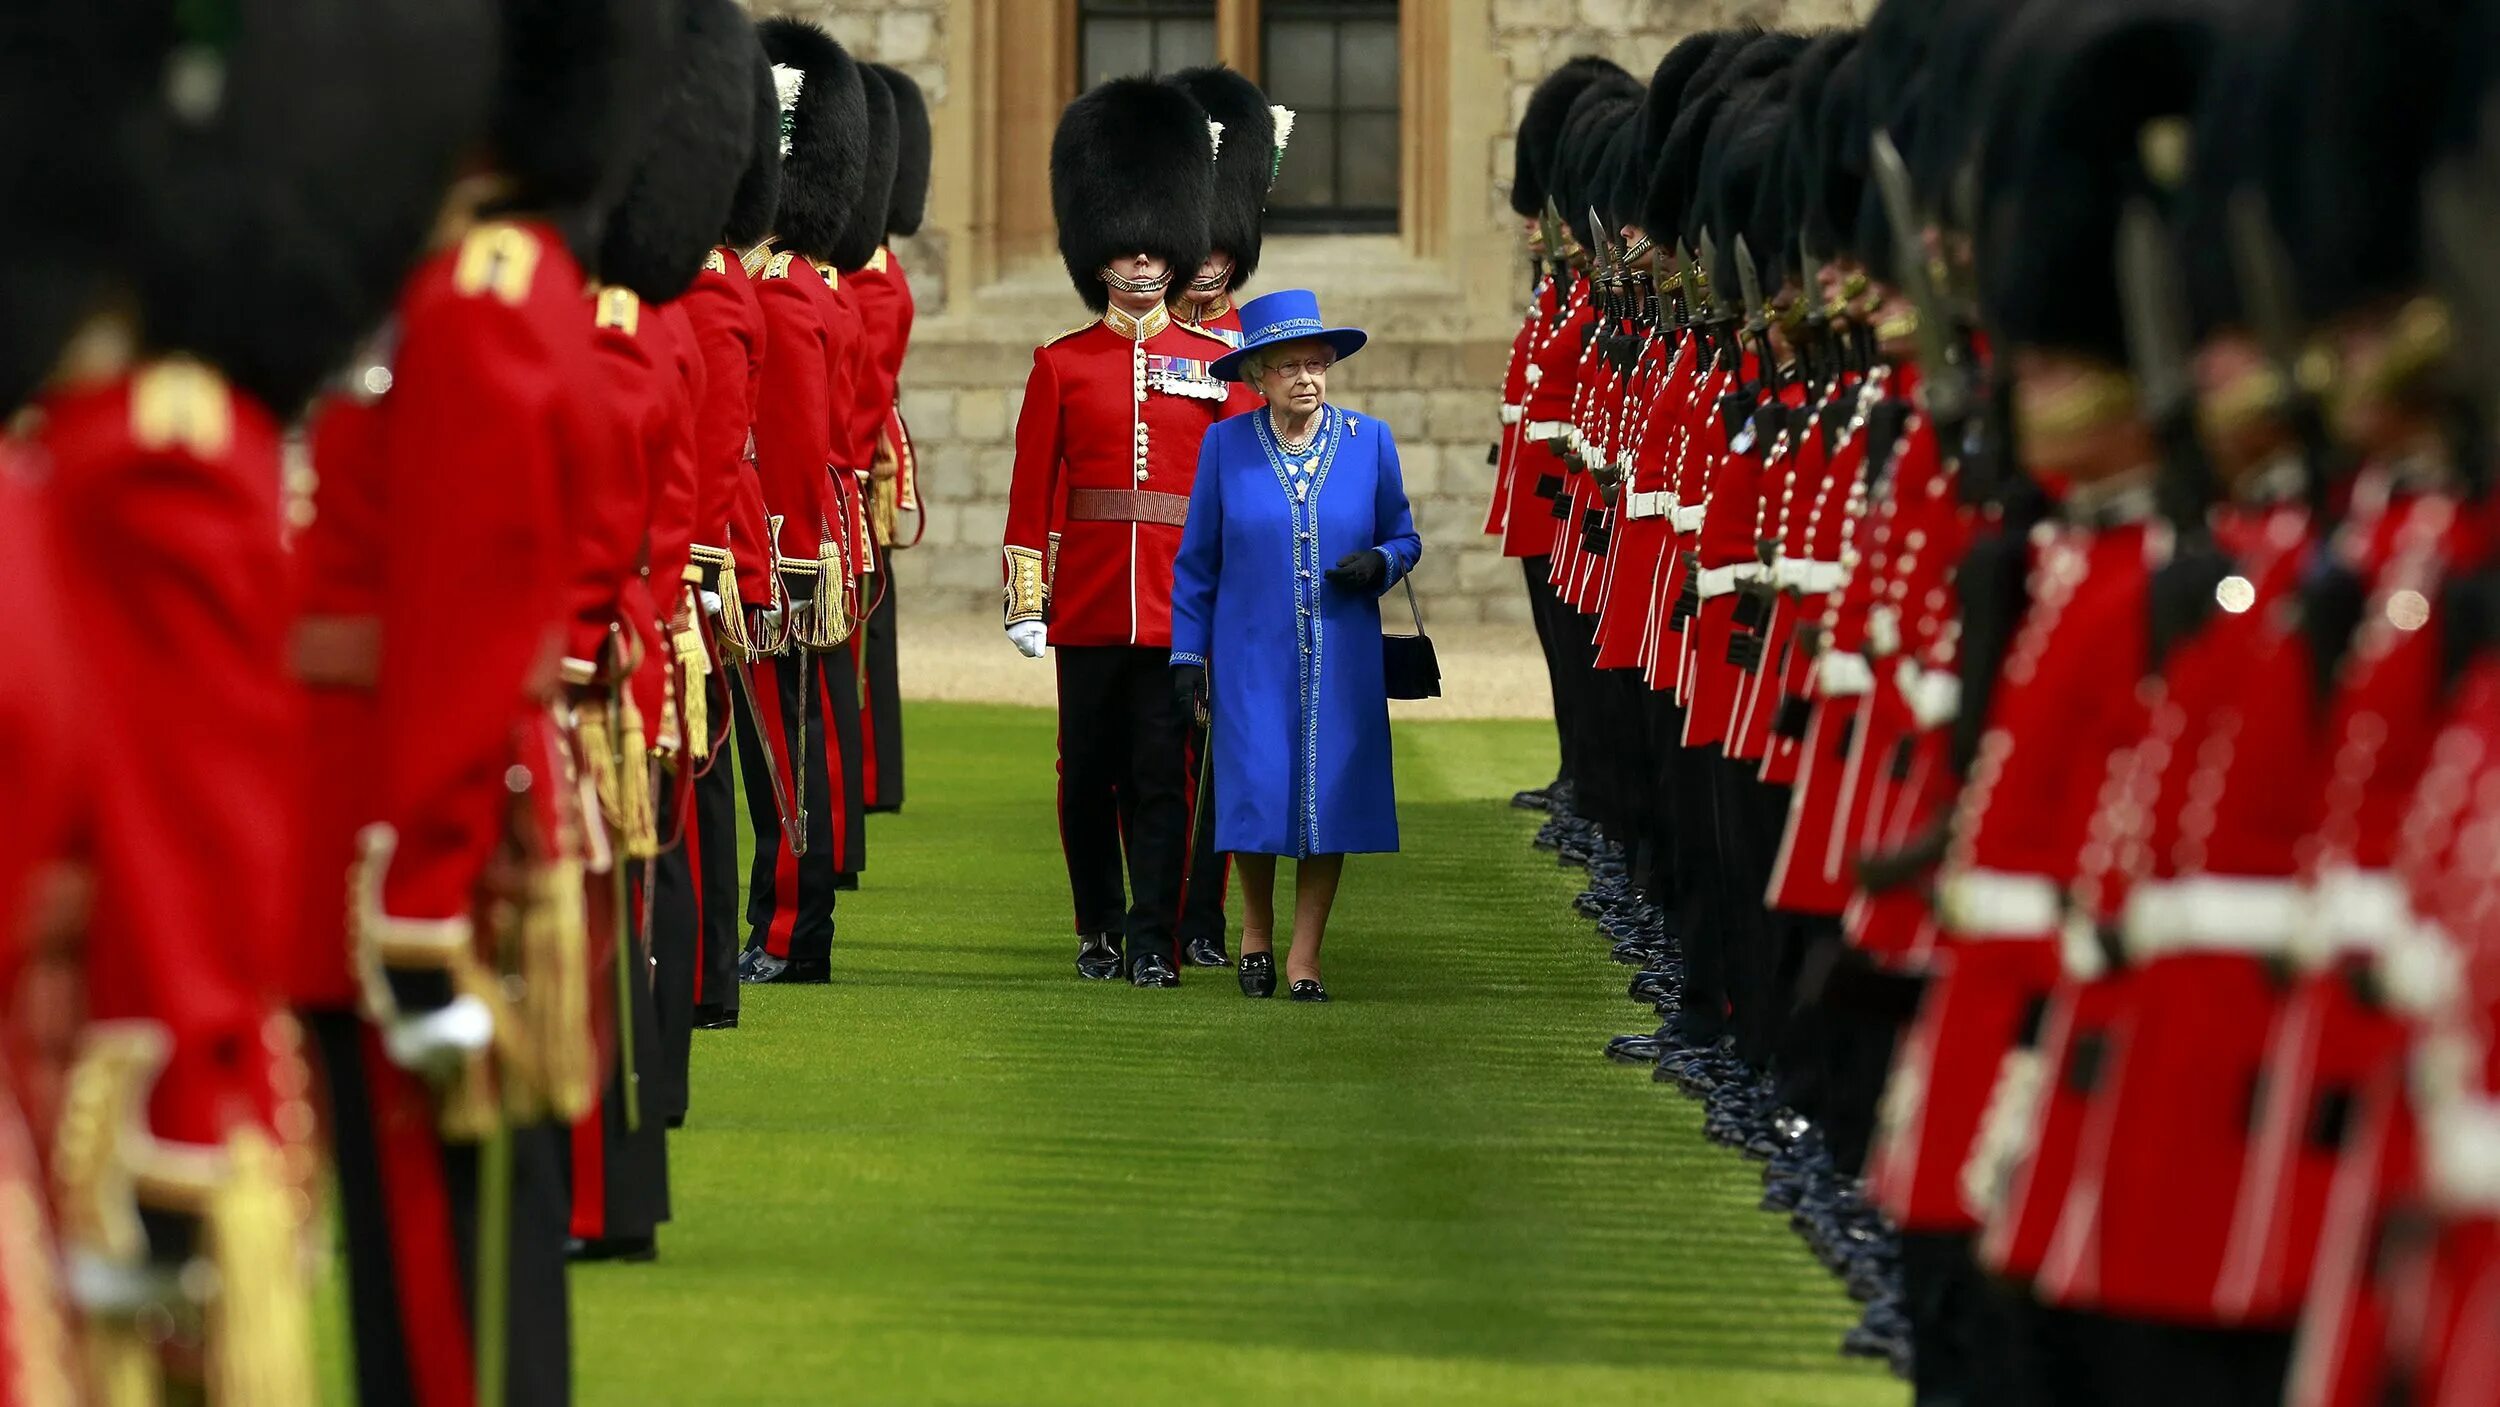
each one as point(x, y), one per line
point(694, 694)
point(260, 1316)
point(638, 824)
point(549, 939)
point(1028, 591)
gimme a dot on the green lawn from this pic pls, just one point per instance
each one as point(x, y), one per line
point(960, 1175)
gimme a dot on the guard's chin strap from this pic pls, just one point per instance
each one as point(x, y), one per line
point(1136, 285)
point(1212, 283)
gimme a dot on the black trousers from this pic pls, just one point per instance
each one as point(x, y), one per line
point(789, 896)
point(1123, 783)
point(883, 718)
point(1761, 965)
point(712, 856)
point(1541, 606)
point(840, 681)
point(1971, 1340)
point(1210, 873)
point(1702, 923)
point(408, 1203)
point(676, 950)
point(618, 1162)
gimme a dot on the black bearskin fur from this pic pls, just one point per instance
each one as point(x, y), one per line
point(680, 197)
point(1244, 163)
point(864, 232)
point(1541, 126)
point(1131, 168)
point(827, 166)
point(758, 197)
point(912, 153)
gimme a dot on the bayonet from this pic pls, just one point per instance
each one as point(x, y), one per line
point(1945, 382)
point(2263, 272)
point(2154, 304)
point(1749, 286)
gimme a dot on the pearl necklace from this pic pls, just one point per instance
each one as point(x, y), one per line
point(1293, 448)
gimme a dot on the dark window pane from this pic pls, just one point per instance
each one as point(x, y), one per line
point(1368, 65)
point(1301, 69)
point(1181, 44)
point(1117, 48)
point(1368, 165)
point(1306, 178)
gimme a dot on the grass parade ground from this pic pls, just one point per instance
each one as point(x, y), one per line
point(961, 1175)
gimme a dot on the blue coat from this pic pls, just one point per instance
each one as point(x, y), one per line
point(1293, 662)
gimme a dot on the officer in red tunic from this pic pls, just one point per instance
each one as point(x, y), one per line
point(731, 557)
point(812, 342)
point(1106, 452)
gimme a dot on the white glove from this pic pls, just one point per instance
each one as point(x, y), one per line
point(711, 603)
point(436, 1043)
point(1030, 638)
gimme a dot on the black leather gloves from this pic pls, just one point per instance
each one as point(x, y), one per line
point(1189, 690)
point(1360, 571)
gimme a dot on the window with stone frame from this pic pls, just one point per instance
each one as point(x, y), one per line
point(1128, 38)
point(1336, 64)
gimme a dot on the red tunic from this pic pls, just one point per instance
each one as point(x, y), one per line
point(727, 324)
point(166, 487)
point(794, 415)
point(1538, 477)
point(438, 540)
point(1106, 453)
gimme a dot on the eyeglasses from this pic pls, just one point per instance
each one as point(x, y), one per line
point(1316, 366)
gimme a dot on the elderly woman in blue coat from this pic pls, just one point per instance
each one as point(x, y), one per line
point(1297, 524)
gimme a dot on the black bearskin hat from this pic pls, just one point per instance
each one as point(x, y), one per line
point(59, 227)
point(1667, 88)
point(1675, 191)
point(824, 122)
point(2061, 163)
point(2363, 119)
point(864, 232)
point(691, 165)
point(1540, 128)
point(1623, 182)
point(1245, 161)
point(1822, 100)
point(571, 104)
point(1131, 168)
point(276, 197)
point(758, 197)
point(912, 153)
point(1576, 178)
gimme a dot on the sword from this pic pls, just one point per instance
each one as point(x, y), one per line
point(793, 829)
point(494, 1262)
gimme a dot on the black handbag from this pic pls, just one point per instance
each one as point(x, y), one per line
point(1408, 664)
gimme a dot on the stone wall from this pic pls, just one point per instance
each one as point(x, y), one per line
point(1433, 370)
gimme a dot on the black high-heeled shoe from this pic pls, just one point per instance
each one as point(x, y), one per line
point(1309, 990)
point(1258, 974)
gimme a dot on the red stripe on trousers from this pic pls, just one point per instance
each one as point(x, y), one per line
point(433, 1312)
point(590, 1165)
point(837, 798)
point(693, 828)
point(867, 717)
point(785, 864)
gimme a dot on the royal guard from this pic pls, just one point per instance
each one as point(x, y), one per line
point(1529, 474)
point(188, 1126)
point(1106, 452)
point(799, 806)
point(730, 561)
point(654, 245)
point(437, 591)
point(862, 403)
point(894, 488)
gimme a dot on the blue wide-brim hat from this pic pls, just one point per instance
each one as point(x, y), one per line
point(1286, 315)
